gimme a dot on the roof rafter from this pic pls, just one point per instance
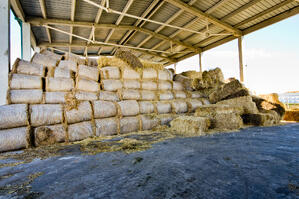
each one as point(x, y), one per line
point(44, 13)
point(41, 22)
point(200, 14)
point(73, 9)
point(126, 8)
point(83, 44)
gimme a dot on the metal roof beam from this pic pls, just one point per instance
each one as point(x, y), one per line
point(73, 9)
point(41, 22)
point(201, 14)
point(83, 44)
point(44, 13)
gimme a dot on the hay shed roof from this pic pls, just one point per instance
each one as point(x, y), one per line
point(166, 31)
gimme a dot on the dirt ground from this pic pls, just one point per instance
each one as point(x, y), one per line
point(257, 162)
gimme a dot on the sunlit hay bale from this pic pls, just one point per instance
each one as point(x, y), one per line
point(227, 121)
point(263, 104)
point(273, 98)
point(153, 65)
point(128, 57)
point(291, 115)
point(225, 90)
point(211, 110)
point(192, 74)
point(267, 118)
point(190, 125)
point(48, 135)
point(212, 78)
point(244, 103)
point(111, 61)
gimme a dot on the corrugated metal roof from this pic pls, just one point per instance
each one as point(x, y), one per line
point(243, 14)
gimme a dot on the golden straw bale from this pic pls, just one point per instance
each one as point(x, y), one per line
point(190, 125)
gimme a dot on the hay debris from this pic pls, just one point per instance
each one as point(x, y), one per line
point(111, 61)
point(71, 101)
point(212, 78)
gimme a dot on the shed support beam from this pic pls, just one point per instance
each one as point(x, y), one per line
point(174, 68)
point(200, 63)
point(240, 59)
point(26, 50)
point(5, 49)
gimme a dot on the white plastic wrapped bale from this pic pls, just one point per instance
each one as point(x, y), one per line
point(165, 95)
point(51, 54)
point(25, 96)
point(88, 72)
point(149, 122)
point(68, 64)
point(146, 107)
point(28, 68)
point(177, 86)
point(129, 94)
point(92, 62)
point(180, 94)
point(75, 58)
point(80, 131)
point(63, 72)
point(13, 139)
point(163, 107)
point(131, 84)
point(128, 108)
point(59, 84)
point(111, 84)
point(102, 109)
point(87, 96)
point(128, 73)
point(164, 85)
point(149, 73)
point(193, 104)
point(195, 94)
point(106, 126)
point(108, 96)
point(14, 115)
point(55, 97)
point(179, 106)
point(147, 95)
point(46, 114)
point(205, 101)
point(82, 113)
point(87, 85)
point(47, 135)
point(44, 60)
point(165, 119)
point(164, 75)
point(129, 124)
point(20, 81)
point(149, 85)
point(110, 72)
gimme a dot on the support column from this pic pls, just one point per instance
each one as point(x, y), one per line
point(174, 68)
point(4, 49)
point(199, 59)
point(26, 44)
point(240, 59)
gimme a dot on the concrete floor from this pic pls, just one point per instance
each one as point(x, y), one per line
point(253, 163)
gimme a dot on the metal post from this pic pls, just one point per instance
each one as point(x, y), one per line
point(174, 68)
point(4, 49)
point(26, 45)
point(200, 65)
point(240, 59)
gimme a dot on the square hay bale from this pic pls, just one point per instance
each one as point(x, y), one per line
point(147, 95)
point(28, 68)
point(108, 96)
point(110, 72)
point(59, 84)
point(25, 96)
point(226, 121)
point(185, 81)
point(13, 139)
point(129, 124)
point(55, 97)
point(225, 90)
point(149, 122)
point(82, 113)
point(263, 105)
point(86, 96)
point(241, 92)
point(193, 104)
point(87, 72)
point(80, 131)
point(111, 84)
point(212, 78)
point(128, 57)
point(149, 85)
point(102, 109)
point(212, 110)
point(128, 108)
point(45, 114)
point(190, 125)
point(131, 84)
point(20, 81)
point(106, 126)
point(192, 74)
point(48, 135)
point(268, 118)
point(14, 115)
point(244, 102)
point(146, 107)
point(111, 61)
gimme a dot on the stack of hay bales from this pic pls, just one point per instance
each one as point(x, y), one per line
point(56, 99)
